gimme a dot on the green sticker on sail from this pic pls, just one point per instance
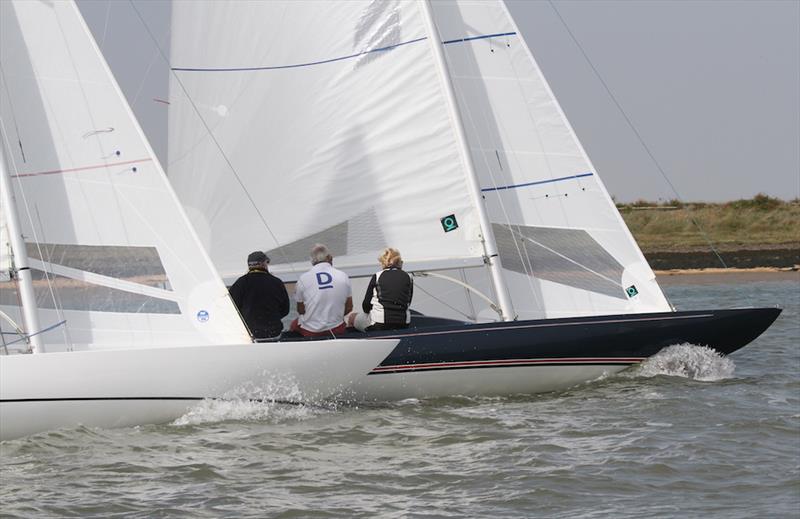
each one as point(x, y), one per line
point(631, 291)
point(449, 223)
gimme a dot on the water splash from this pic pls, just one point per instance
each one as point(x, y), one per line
point(688, 361)
point(277, 400)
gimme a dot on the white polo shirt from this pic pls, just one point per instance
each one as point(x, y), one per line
point(323, 290)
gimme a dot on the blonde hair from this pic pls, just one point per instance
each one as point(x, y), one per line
point(390, 258)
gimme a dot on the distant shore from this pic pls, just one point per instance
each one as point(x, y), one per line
point(711, 276)
point(755, 256)
point(758, 232)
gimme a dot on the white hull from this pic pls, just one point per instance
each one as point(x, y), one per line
point(120, 388)
point(476, 382)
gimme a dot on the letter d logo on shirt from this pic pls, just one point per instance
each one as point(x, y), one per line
point(324, 280)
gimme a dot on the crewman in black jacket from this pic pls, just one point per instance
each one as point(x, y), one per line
point(261, 298)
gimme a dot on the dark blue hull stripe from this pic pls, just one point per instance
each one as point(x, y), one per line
point(597, 340)
point(340, 58)
point(449, 366)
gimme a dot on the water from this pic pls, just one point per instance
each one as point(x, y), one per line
point(686, 434)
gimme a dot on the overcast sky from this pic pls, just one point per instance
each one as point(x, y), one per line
point(712, 87)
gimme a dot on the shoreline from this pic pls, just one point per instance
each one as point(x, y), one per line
point(708, 276)
point(745, 257)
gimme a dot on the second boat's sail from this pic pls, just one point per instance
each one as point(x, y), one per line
point(113, 257)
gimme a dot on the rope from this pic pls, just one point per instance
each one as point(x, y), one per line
point(445, 303)
point(43, 330)
point(636, 132)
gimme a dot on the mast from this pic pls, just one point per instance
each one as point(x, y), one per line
point(29, 311)
point(489, 244)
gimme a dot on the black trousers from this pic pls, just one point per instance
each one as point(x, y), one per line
point(386, 326)
point(267, 331)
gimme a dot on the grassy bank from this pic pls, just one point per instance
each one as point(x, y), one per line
point(762, 231)
point(758, 223)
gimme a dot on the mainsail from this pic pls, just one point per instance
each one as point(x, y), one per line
point(295, 122)
point(112, 254)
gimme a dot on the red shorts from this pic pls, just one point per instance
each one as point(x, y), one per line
point(295, 327)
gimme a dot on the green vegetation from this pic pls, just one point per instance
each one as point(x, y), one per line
point(761, 222)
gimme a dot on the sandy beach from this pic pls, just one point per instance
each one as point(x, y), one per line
point(713, 276)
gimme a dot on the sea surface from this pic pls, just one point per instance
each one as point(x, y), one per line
point(687, 434)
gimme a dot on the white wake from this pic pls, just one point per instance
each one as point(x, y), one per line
point(277, 400)
point(688, 361)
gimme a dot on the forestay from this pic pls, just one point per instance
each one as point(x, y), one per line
point(300, 122)
point(111, 250)
point(564, 246)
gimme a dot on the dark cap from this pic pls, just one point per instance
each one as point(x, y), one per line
point(256, 258)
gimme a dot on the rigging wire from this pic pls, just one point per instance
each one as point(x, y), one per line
point(445, 303)
point(105, 24)
point(472, 121)
point(635, 131)
point(144, 78)
point(36, 240)
point(211, 134)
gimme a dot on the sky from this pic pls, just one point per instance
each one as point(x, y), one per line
point(696, 100)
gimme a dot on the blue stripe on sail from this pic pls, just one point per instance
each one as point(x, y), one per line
point(297, 65)
point(482, 37)
point(526, 184)
point(341, 58)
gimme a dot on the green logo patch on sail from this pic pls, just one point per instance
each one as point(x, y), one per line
point(631, 291)
point(449, 223)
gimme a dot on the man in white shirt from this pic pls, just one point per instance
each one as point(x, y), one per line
point(323, 297)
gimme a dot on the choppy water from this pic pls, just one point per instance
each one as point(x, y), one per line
point(686, 434)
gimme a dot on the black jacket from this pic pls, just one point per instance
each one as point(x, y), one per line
point(389, 296)
point(262, 300)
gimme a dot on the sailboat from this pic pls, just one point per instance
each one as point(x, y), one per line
point(111, 312)
point(429, 127)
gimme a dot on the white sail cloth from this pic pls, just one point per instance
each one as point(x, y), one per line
point(295, 122)
point(564, 245)
point(108, 242)
point(303, 121)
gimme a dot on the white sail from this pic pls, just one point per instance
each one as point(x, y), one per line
point(298, 122)
point(295, 122)
point(111, 250)
point(563, 244)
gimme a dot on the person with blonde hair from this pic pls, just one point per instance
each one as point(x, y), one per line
point(387, 301)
